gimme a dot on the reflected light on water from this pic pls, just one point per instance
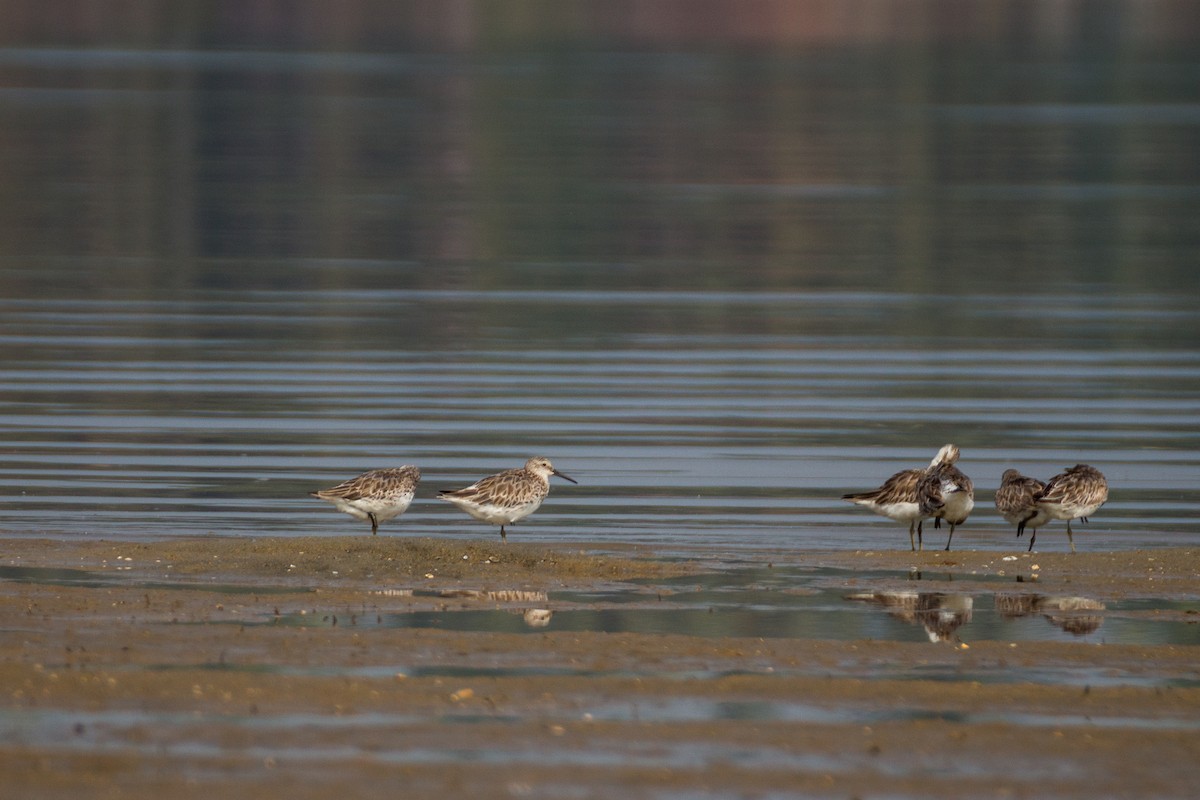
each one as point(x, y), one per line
point(725, 267)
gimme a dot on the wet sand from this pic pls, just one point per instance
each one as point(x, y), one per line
point(250, 668)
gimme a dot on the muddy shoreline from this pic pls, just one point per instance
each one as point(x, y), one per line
point(239, 667)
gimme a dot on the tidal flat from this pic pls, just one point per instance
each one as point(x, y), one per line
point(375, 666)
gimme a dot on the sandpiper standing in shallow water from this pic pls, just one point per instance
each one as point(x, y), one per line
point(957, 490)
point(378, 495)
point(1074, 494)
point(509, 496)
point(911, 495)
point(1017, 502)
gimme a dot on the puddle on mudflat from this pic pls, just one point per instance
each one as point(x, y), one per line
point(803, 603)
point(1070, 674)
point(697, 709)
point(88, 579)
point(198, 735)
point(135, 730)
point(767, 602)
point(941, 618)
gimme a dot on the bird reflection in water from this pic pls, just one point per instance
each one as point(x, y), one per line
point(534, 617)
point(1072, 614)
point(537, 617)
point(940, 614)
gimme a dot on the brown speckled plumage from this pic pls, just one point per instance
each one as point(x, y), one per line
point(378, 495)
point(1017, 502)
point(957, 491)
point(911, 495)
point(1075, 493)
point(506, 497)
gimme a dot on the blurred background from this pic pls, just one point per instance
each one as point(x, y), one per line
point(721, 261)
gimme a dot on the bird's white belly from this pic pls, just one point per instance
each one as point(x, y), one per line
point(500, 515)
point(901, 512)
point(1067, 510)
point(957, 507)
point(382, 509)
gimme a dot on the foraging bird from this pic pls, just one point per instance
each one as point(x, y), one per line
point(509, 496)
point(1073, 494)
point(911, 495)
point(1017, 502)
point(957, 491)
point(378, 495)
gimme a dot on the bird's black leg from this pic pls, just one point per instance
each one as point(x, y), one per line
point(951, 536)
point(1032, 538)
point(503, 535)
point(374, 523)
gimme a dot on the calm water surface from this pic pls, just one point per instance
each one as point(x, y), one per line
point(683, 423)
point(719, 286)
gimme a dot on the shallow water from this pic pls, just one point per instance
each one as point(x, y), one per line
point(718, 287)
point(733, 441)
point(190, 734)
point(756, 602)
point(823, 604)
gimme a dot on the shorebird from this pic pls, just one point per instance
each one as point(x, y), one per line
point(957, 491)
point(911, 495)
point(509, 496)
point(378, 495)
point(1073, 494)
point(1017, 502)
